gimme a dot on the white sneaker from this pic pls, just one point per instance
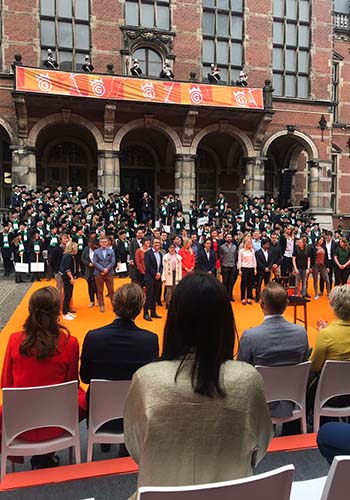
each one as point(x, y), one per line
point(68, 316)
point(316, 297)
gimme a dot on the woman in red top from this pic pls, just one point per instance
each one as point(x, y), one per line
point(44, 353)
point(187, 255)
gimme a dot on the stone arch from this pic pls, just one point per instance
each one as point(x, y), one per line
point(8, 129)
point(155, 124)
point(59, 118)
point(241, 137)
point(306, 141)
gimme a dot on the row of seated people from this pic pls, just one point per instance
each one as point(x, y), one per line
point(194, 390)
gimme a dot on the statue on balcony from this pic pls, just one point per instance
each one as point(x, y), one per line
point(50, 62)
point(16, 62)
point(166, 73)
point(136, 68)
point(87, 66)
point(243, 79)
point(214, 75)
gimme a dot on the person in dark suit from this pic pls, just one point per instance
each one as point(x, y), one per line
point(117, 350)
point(329, 246)
point(275, 342)
point(6, 238)
point(207, 259)
point(104, 263)
point(87, 259)
point(263, 265)
point(153, 272)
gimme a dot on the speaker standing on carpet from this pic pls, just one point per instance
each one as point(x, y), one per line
point(104, 262)
point(68, 270)
point(196, 415)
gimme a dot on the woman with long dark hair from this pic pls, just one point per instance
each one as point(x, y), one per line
point(196, 416)
point(68, 270)
point(43, 353)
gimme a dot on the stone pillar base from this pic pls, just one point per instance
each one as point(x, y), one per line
point(108, 172)
point(185, 179)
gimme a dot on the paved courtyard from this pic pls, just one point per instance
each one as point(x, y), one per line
point(11, 294)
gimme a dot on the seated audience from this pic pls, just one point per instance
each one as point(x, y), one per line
point(276, 341)
point(117, 350)
point(43, 353)
point(197, 416)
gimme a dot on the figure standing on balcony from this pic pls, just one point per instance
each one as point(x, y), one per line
point(243, 79)
point(214, 75)
point(166, 72)
point(50, 62)
point(136, 68)
point(87, 66)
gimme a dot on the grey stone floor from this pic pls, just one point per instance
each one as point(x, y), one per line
point(11, 294)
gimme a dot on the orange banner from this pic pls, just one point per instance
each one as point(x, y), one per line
point(45, 81)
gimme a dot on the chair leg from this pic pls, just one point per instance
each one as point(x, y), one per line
point(3, 465)
point(90, 449)
point(77, 454)
point(13, 467)
point(303, 425)
point(316, 422)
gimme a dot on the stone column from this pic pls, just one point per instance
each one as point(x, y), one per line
point(255, 177)
point(320, 172)
point(24, 166)
point(314, 184)
point(108, 171)
point(185, 179)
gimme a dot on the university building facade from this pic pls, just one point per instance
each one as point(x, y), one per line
point(297, 145)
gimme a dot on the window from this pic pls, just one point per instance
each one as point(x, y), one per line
point(291, 48)
point(341, 6)
point(335, 90)
point(333, 175)
point(222, 28)
point(148, 13)
point(150, 61)
point(65, 28)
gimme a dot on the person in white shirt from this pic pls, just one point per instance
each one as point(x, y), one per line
point(247, 270)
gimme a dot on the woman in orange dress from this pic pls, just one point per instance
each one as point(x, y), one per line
point(187, 255)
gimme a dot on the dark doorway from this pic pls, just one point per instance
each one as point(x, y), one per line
point(135, 182)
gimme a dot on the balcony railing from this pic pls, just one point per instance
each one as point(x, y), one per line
point(341, 22)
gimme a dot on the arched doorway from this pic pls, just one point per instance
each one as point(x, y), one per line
point(219, 167)
point(5, 169)
point(146, 164)
point(67, 155)
point(286, 170)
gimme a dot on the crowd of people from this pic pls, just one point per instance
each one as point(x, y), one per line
point(103, 236)
point(196, 373)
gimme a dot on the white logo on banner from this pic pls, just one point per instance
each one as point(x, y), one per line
point(196, 95)
point(148, 90)
point(44, 82)
point(98, 87)
point(243, 99)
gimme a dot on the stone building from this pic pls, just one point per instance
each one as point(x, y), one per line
point(296, 51)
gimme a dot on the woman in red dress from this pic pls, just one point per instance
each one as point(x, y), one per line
point(43, 353)
point(187, 254)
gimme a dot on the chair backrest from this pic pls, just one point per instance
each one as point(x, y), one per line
point(107, 400)
point(337, 482)
point(334, 381)
point(273, 485)
point(37, 407)
point(285, 383)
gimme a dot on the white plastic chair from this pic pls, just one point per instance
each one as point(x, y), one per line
point(273, 485)
point(30, 408)
point(287, 383)
point(106, 403)
point(335, 486)
point(334, 381)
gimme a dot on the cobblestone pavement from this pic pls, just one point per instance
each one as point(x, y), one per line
point(11, 294)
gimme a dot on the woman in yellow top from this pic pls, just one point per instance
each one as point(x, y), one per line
point(333, 339)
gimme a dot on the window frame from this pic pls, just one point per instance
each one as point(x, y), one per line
point(76, 53)
point(285, 74)
point(155, 4)
point(217, 38)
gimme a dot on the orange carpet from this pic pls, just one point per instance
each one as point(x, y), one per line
point(87, 319)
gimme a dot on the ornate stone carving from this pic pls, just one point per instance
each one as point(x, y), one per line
point(188, 131)
point(109, 120)
point(22, 117)
point(259, 135)
point(131, 38)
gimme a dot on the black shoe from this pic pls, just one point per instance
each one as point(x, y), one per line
point(308, 296)
point(147, 317)
point(232, 299)
point(105, 448)
point(155, 315)
point(160, 303)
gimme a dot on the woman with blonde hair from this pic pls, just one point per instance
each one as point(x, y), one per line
point(172, 272)
point(247, 270)
point(187, 255)
point(68, 269)
point(42, 353)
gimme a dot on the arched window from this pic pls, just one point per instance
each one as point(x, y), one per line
point(149, 60)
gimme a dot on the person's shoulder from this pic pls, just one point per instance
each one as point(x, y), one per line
point(16, 337)
point(239, 371)
point(146, 334)
point(292, 327)
point(255, 330)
